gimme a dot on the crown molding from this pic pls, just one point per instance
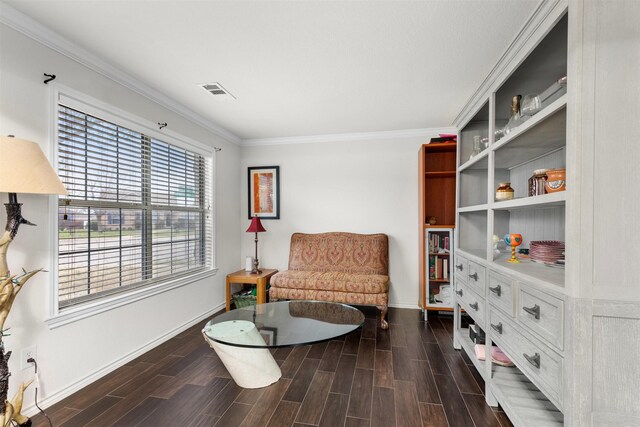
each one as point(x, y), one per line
point(43, 35)
point(341, 137)
point(547, 9)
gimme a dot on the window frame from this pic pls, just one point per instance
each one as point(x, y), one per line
point(108, 112)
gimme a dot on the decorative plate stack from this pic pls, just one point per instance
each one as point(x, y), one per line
point(550, 252)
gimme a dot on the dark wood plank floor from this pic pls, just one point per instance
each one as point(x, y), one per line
point(407, 376)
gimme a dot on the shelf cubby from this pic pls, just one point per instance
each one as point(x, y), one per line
point(477, 126)
point(439, 270)
point(473, 233)
point(519, 175)
point(545, 223)
point(539, 71)
point(473, 187)
point(469, 347)
point(544, 134)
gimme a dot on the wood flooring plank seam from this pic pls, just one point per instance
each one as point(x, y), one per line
point(465, 404)
point(324, 404)
point(436, 404)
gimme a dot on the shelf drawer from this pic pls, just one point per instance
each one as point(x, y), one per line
point(476, 277)
point(472, 303)
point(534, 358)
point(461, 268)
point(501, 292)
point(543, 314)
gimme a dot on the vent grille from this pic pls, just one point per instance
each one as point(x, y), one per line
point(218, 91)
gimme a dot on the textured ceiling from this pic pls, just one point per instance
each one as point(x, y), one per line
point(299, 67)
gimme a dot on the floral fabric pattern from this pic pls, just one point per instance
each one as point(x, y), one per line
point(332, 281)
point(340, 252)
point(338, 267)
point(314, 295)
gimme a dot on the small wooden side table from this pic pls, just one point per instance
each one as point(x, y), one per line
point(245, 277)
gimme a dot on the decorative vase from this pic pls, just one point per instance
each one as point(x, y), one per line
point(537, 182)
point(514, 240)
point(556, 180)
point(504, 192)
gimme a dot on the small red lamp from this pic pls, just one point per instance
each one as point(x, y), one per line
point(256, 227)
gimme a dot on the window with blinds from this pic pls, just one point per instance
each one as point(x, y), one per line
point(137, 211)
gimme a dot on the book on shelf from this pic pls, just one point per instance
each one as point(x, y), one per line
point(445, 268)
point(438, 243)
point(432, 268)
point(439, 263)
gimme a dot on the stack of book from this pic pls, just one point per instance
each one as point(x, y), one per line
point(438, 268)
point(438, 244)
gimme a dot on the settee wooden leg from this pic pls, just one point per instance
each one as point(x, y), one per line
point(383, 313)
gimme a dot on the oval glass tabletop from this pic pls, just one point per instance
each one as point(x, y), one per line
point(283, 323)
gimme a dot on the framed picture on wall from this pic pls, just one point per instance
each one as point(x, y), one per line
point(264, 192)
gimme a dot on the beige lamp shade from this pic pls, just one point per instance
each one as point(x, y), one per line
point(25, 169)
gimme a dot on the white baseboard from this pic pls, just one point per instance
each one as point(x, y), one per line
point(83, 382)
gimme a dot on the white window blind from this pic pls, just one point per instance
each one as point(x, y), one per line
point(137, 211)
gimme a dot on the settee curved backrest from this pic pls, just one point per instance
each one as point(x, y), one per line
point(340, 252)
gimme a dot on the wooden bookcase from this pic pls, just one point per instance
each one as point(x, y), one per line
point(437, 198)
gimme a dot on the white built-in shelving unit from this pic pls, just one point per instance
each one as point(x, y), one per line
point(573, 333)
point(519, 306)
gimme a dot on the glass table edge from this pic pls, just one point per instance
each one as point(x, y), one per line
point(359, 326)
point(284, 345)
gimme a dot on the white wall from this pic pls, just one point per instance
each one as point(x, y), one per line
point(74, 352)
point(365, 186)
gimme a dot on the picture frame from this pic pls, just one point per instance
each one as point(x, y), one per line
point(263, 192)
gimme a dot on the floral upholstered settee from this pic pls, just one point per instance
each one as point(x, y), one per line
point(339, 267)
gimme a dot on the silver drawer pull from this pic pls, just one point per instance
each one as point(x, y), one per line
point(534, 311)
point(474, 276)
point(474, 306)
point(534, 360)
point(497, 328)
point(459, 293)
point(459, 267)
point(497, 290)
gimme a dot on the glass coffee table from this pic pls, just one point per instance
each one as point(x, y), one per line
point(242, 338)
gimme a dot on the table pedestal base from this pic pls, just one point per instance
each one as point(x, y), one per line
point(249, 367)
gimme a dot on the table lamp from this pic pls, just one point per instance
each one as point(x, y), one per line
point(25, 169)
point(256, 227)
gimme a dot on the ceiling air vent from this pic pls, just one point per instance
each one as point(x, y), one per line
point(217, 91)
